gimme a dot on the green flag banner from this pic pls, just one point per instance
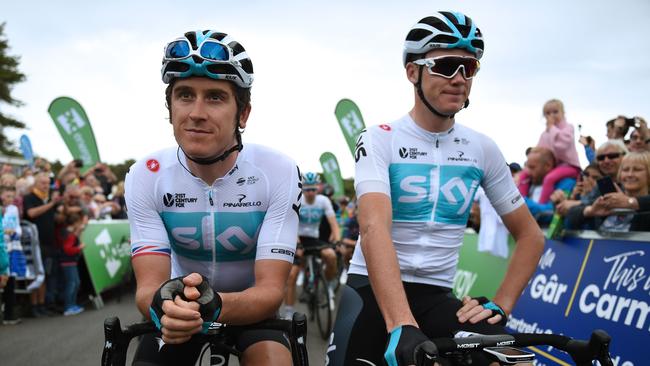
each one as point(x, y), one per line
point(107, 252)
point(74, 126)
point(479, 273)
point(332, 172)
point(350, 121)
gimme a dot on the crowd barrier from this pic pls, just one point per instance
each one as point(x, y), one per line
point(583, 282)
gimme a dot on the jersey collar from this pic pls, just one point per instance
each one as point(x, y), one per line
point(428, 136)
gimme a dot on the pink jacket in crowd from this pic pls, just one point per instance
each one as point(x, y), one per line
point(561, 141)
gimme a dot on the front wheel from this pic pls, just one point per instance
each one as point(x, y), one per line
point(323, 304)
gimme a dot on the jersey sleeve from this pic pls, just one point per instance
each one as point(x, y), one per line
point(277, 237)
point(148, 234)
point(328, 209)
point(372, 157)
point(497, 182)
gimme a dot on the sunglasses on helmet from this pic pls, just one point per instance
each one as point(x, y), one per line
point(448, 66)
point(210, 50)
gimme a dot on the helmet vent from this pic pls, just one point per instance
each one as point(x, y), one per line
point(197, 59)
point(477, 43)
point(417, 34)
point(247, 65)
point(177, 67)
point(224, 69)
point(444, 38)
point(192, 38)
point(464, 30)
point(218, 36)
point(436, 23)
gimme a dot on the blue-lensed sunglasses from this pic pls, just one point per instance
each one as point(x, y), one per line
point(210, 50)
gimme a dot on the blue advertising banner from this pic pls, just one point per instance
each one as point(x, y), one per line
point(586, 284)
point(26, 149)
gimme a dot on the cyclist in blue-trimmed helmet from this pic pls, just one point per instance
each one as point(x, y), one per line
point(214, 55)
point(415, 180)
point(310, 179)
point(210, 217)
point(445, 31)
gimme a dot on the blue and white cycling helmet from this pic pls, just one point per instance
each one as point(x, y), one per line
point(443, 29)
point(207, 53)
point(310, 179)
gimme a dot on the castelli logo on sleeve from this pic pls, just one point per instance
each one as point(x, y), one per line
point(153, 165)
point(385, 127)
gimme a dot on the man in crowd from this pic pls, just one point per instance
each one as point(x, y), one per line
point(541, 161)
point(40, 207)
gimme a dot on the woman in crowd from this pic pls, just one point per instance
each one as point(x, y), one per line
point(628, 208)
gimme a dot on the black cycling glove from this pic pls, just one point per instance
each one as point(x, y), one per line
point(407, 345)
point(209, 301)
point(496, 309)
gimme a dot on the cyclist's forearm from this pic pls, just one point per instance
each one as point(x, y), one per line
point(385, 278)
point(151, 271)
point(143, 298)
point(250, 306)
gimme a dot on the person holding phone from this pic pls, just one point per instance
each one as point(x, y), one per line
point(583, 192)
point(618, 210)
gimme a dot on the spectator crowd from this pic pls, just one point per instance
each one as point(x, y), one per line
point(43, 216)
point(610, 193)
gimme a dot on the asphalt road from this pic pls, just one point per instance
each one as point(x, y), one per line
point(78, 340)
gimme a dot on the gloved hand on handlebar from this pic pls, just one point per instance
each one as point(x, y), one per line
point(185, 293)
point(476, 309)
point(407, 345)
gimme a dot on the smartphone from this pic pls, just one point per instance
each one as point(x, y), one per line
point(606, 185)
point(78, 163)
point(510, 355)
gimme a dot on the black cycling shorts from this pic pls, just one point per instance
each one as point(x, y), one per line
point(359, 336)
point(149, 354)
point(306, 242)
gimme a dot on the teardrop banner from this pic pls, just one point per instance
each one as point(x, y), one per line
point(350, 121)
point(74, 126)
point(332, 172)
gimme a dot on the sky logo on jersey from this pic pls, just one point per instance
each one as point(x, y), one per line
point(233, 234)
point(311, 215)
point(415, 188)
point(458, 186)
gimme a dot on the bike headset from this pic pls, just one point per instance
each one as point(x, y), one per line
point(443, 29)
point(211, 54)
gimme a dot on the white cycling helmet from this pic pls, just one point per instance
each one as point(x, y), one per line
point(443, 29)
point(207, 53)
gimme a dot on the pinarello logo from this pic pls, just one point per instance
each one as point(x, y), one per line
point(153, 165)
point(385, 127)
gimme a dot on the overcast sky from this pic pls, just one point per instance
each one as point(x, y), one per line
point(592, 55)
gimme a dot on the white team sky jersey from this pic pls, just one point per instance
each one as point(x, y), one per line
point(221, 230)
point(431, 179)
point(311, 215)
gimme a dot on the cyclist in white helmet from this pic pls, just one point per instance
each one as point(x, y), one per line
point(415, 179)
point(212, 218)
point(313, 208)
